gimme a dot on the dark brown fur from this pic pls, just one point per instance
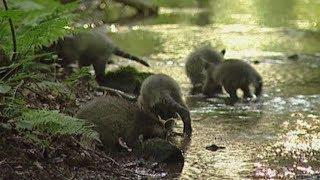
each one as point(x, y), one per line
point(161, 95)
point(195, 67)
point(233, 74)
point(89, 48)
point(116, 118)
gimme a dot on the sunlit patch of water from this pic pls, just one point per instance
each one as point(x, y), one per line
point(276, 137)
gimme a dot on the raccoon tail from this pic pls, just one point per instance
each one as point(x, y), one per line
point(258, 87)
point(182, 111)
point(121, 53)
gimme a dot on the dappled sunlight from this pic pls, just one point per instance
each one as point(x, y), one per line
point(275, 137)
point(296, 152)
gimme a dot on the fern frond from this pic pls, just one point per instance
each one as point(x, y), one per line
point(38, 23)
point(55, 123)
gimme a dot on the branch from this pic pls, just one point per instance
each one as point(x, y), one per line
point(117, 92)
point(13, 34)
point(142, 6)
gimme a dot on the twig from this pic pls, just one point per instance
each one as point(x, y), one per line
point(117, 93)
point(13, 34)
point(34, 91)
point(89, 149)
point(3, 161)
point(16, 89)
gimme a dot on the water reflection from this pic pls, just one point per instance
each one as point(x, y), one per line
point(275, 13)
point(276, 137)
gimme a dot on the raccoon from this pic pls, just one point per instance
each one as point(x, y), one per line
point(195, 67)
point(90, 48)
point(233, 74)
point(116, 118)
point(161, 95)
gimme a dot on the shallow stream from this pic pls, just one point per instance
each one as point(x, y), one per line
point(275, 137)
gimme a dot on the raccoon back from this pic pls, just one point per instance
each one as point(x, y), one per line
point(196, 61)
point(236, 73)
point(115, 117)
point(156, 87)
point(85, 46)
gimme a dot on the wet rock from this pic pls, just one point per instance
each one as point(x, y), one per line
point(214, 147)
point(256, 62)
point(160, 150)
point(126, 79)
point(293, 57)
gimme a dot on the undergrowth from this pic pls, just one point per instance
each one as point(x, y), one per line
point(33, 100)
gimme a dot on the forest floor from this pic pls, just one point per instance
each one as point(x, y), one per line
point(64, 157)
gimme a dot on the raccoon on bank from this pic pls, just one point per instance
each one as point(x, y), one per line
point(116, 118)
point(195, 63)
point(161, 95)
point(90, 48)
point(233, 74)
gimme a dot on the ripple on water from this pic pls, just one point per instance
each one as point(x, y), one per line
point(277, 137)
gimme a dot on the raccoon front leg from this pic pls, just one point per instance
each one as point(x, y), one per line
point(99, 67)
point(65, 64)
point(233, 95)
point(246, 92)
point(182, 111)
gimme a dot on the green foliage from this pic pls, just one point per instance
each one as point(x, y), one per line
point(84, 72)
point(4, 88)
point(176, 3)
point(55, 123)
point(36, 22)
point(55, 89)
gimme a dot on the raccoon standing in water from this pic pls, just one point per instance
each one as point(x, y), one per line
point(195, 70)
point(161, 95)
point(90, 48)
point(233, 74)
point(116, 118)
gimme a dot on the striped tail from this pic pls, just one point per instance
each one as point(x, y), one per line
point(121, 53)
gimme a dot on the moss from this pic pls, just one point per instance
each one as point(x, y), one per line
point(127, 79)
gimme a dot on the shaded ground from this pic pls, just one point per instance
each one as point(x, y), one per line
point(44, 156)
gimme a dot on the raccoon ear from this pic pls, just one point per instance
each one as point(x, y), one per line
point(223, 52)
point(169, 124)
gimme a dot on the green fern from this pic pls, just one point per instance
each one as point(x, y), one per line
point(55, 123)
point(37, 23)
point(84, 72)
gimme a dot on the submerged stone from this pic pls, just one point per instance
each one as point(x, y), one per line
point(160, 150)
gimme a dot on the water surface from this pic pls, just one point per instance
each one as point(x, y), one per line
point(276, 137)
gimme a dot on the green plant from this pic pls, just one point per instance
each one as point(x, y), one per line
point(54, 123)
point(37, 23)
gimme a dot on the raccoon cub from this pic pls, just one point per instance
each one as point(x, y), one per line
point(161, 95)
point(116, 118)
point(233, 74)
point(90, 48)
point(195, 71)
